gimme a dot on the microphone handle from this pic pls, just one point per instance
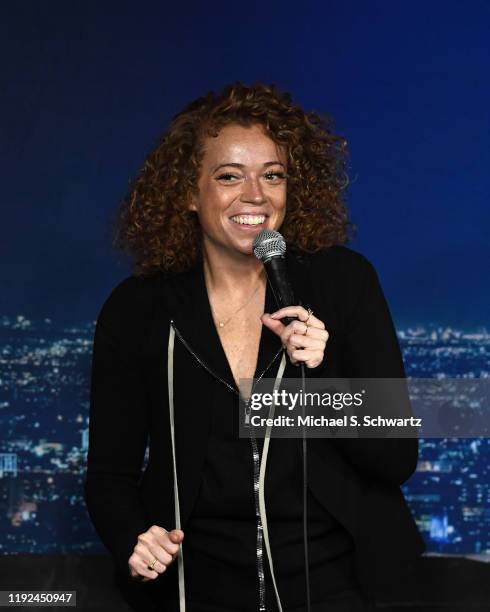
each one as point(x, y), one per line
point(277, 275)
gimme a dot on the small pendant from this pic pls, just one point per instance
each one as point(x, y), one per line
point(221, 324)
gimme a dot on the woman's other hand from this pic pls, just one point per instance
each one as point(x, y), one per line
point(303, 341)
point(156, 543)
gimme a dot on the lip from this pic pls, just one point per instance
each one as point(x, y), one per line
point(251, 213)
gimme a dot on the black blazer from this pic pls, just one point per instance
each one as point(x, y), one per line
point(357, 480)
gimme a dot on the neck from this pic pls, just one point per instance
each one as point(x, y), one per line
point(232, 273)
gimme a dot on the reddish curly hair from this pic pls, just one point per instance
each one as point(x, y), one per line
point(155, 228)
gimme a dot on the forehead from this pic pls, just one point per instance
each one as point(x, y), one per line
point(245, 145)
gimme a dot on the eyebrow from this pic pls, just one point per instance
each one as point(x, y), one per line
point(235, 165)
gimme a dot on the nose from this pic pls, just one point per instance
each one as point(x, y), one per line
point(252, 191)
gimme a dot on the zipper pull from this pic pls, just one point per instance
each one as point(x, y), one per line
point(247, 412)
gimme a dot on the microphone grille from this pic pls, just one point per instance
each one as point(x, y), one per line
point(267, 244)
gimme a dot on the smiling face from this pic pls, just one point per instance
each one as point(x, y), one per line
point(242, 188)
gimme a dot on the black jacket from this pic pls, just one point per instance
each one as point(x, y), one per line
point(357, 480)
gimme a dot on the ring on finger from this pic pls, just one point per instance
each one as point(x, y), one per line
point(310, 312)
point(151, 566)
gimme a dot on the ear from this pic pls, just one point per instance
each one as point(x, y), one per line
point(191, 203)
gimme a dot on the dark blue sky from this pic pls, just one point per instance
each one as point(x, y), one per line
point(87, 87)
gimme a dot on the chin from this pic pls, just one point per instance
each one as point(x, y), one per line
point(246, 250)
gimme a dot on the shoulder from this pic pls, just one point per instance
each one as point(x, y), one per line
point(129, 306)
point(341, 278)
point(342, 262)
point(130, 293)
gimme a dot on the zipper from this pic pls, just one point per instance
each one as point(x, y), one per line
point(255, 456)
point(206, 367)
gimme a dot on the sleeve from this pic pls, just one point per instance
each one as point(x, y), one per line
point(371, 350)
point(118, 431)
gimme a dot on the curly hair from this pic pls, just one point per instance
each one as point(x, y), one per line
point(153, 224)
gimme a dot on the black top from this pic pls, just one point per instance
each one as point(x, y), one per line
point(357, 481)
point(220, 556)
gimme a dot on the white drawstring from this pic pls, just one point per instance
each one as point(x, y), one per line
point(180, 555)
point(263, 463)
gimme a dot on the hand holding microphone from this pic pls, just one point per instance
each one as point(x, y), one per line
point(304, 338)
point(303, 335)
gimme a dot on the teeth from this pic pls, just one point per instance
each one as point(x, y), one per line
point(248, 219)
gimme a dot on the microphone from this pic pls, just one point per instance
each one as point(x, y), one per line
point(270, 248)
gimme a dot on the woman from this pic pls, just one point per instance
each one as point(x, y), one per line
point(174, 339)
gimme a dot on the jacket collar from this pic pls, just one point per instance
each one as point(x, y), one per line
point(186, 299)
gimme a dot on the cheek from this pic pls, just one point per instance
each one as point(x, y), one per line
point(281, 203)
point(214, 204)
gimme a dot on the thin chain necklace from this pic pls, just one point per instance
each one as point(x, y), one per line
point(223, 323)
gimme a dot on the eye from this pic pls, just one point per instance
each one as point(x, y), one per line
point(226, 177)
point(275, 177)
